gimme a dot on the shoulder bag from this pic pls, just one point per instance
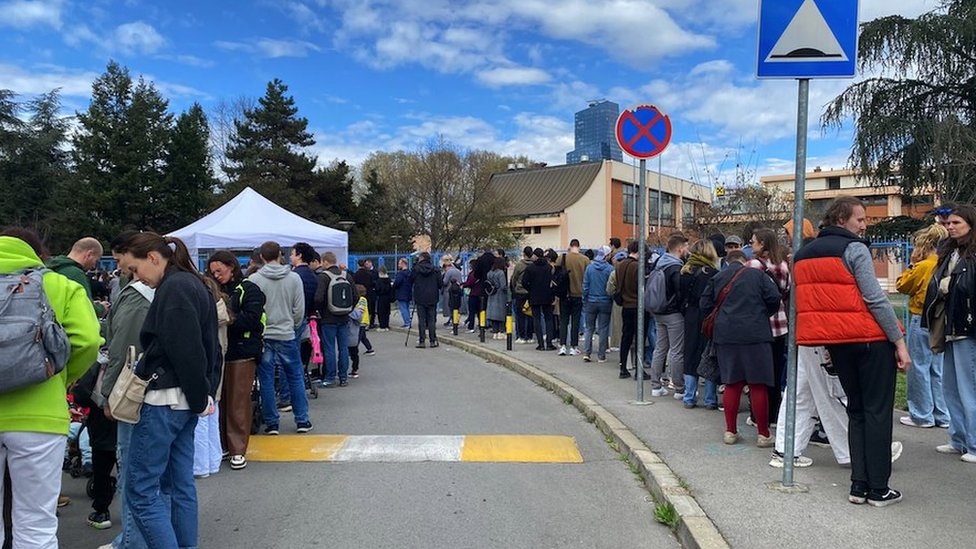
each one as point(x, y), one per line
point(708, 325)
point(129, 391)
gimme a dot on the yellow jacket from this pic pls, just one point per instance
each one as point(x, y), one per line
point(915, 281)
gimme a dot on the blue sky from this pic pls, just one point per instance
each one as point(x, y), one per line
point(502, 75)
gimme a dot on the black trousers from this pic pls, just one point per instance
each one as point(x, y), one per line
point(628, 335)
point(867, 372)
point(354, 357)
point(383, 311)
point(427, 322)
point(544, 324)
point(371, 303)
point(103, 433)
point(474, 309)
point(779, 366)
point(570, 310)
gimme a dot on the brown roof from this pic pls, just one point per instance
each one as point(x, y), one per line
point(544, 190)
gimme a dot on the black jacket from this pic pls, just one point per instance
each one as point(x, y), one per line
point(180, 339)
point(693, 285)
point(427, 283)
point(384, 289)
point(538, 281)
point(321, 298)
point(959, 300)
point(484, 265)
point(310, 282)
point(744, 317)
point(364, 277)
point(245, 333)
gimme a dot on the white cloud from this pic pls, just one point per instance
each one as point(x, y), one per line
point(513, 76)
point(872, 9)
point(189, 60)
point(72, 82)
point(138, 37)
point(27, 13)
point(270, 48)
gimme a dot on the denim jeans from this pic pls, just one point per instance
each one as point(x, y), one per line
point(569, 321)
point(129, 536)
point(926, 398)
point(650, 337)
point(523, 322)
point(960, 393)
point(334, 339)
point(597, 316)
point(286, 354)
point(691, 391)
point(284, 390)
point(405, 313)
point(160, 461)
point(79, 433)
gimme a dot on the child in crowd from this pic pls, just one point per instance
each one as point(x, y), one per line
point(358, 320)
point(78, 434)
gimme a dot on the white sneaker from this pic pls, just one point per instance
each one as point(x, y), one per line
point(896, 449)
point(518, 341)
point(574, 352)
point(562, 351)
point(968, 458)
point(679, 396)
point(947, 449)
point(776, 460)
point(659, 392)
point(908, 421)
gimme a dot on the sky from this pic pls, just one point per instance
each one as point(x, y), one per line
point(499, 75)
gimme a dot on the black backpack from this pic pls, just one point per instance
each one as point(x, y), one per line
point(560, 280)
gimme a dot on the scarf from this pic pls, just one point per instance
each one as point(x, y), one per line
point(696, 260)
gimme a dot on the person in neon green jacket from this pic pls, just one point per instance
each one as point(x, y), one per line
point(34, 420)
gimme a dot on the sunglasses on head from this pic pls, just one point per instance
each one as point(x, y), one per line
point(943, 212)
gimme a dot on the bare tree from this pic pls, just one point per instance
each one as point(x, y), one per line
point(221, 118)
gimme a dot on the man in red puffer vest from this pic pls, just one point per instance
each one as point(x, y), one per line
point(839, 304)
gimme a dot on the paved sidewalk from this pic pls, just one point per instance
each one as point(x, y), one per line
point(730, 482)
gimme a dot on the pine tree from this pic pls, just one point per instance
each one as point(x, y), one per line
point(266, 153)
point(119, 155)
point(187, 188)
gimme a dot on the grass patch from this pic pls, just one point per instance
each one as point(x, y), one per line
point(568, 399)
point(901, 391)
point(666, 514)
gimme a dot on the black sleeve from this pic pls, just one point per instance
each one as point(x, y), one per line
point(320, 290)
point(182, 343)
point(707, 301)
point(248, 317)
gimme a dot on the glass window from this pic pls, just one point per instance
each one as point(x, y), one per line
point(629, 204)
point(687, 212)
point(667, 209)
point(653, 207)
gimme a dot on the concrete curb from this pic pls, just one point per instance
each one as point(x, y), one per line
point(694, 529)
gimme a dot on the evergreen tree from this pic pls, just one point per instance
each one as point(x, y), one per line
point(119, 155)
point(266, 152)
point(187, 189)
point(915, 123)
point(377, 218)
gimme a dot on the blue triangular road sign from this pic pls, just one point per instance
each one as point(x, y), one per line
point(807, 38)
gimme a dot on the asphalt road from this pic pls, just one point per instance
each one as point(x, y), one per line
point(407, 391)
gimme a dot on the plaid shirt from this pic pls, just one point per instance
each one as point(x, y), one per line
point(781, 277)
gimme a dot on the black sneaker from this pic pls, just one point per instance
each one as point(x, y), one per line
point(883, 500)
point(100, 520)
point(421, 345)
point(859, 493)
point(819, 438)
point(304, 426)
point(624, 375)
point(343, 383)
point(271, 429)
point(370, 352)
point(354, 374)
point(434, 344)
point(284, 407)
point(646, 376)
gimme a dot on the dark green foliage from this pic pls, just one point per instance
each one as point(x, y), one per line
point(186, 193)
point(914, 120)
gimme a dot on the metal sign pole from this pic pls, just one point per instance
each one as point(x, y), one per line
point(641, 259)
point(660, 196)
point(803, 105)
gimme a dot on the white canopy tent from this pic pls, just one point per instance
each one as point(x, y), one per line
point(250, 220)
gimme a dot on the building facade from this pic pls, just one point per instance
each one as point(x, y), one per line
point(593, 202)
point(595, 134)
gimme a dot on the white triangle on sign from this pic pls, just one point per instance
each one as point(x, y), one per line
point(807, 38)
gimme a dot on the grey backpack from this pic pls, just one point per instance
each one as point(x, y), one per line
point(656, 291)
point(33, 346)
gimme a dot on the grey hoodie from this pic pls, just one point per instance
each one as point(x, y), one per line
point(285, 304)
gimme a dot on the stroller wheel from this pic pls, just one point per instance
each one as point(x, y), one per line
point(313, 390)
point(90, 488)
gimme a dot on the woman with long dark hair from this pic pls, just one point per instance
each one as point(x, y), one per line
point(701, 266)
point(949, 318)
point(769, 256)
point(182, 362)
point(244, 347)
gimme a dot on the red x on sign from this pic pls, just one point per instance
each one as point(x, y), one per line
point(643, 131)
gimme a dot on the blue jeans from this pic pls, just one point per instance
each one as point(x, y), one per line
point(284, 391)
point(287, 354)
point(691, 391)
point(960, 393)
point(926, 399)
point(161, 462)
point(650, 338)
point(596, 315)
point(405, 313)
point(334, 337)
point(129, 537)
point(76, 434)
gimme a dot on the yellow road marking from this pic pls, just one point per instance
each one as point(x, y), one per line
point(521, 449)
point(294, 447)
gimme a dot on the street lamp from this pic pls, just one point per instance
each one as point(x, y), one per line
point(346, 225)
point(396, 242)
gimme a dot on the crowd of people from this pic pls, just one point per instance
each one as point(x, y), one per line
point(716, 323)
